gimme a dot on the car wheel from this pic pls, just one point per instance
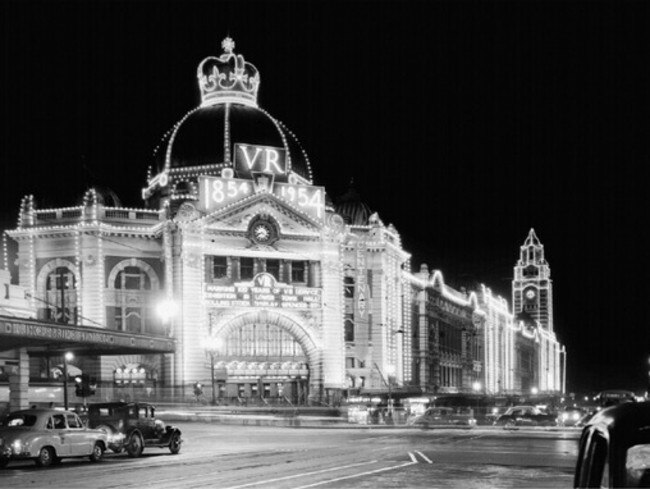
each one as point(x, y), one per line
point(45, 457)
point(98, 452)
point(135, 445)
point(511, 423)
point(175, 443)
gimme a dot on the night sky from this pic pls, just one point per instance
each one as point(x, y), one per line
point(463, 124)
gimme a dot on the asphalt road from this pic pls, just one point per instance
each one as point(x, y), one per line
point(249, 457)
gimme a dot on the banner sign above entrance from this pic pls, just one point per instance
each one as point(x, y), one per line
point(264, 291)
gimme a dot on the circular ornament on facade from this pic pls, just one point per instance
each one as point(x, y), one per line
point(530, 294)
point(262, 231)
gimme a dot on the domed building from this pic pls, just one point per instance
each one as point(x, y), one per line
point(262, 284)
point(271, 293)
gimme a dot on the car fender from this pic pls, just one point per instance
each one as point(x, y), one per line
point(37, 441)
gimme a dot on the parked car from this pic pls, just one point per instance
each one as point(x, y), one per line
point(133, 427)
point(570, 415)
point(494, 412)
point(436, 416)
point(614, 448)
point(525, 416)
point(47, 436)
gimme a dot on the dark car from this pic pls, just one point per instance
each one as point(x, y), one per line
point(133, 427)
point(525, 416)
point(441, 416)
point(614, 448)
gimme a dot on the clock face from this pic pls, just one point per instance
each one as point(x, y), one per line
point(262, 233)
point(530, 294)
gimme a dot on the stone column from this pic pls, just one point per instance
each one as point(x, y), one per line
point(19, 383)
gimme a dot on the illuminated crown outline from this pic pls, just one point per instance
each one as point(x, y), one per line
point(228, 78)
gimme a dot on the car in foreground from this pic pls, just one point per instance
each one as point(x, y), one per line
point(614, 448)
point(132, 427)
point(444, 416)
point(525, 416)
point(47, 436)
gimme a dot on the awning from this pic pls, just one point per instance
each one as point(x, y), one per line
point(46, 338)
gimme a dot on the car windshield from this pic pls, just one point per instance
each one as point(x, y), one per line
point(19, 419)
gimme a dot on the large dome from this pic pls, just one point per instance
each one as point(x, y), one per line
point(206, 135)
point(228, 115)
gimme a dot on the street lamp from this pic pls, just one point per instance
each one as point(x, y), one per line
point(166, 310)
point(534, 391)
point(213, 345)
point(67, 357)
point(476, 387)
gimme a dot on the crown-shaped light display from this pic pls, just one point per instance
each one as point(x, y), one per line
point(228, 78)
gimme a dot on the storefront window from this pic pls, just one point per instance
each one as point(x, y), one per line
point(246, 268)
point(219, 267)
point(298, 271)
point(273, 268)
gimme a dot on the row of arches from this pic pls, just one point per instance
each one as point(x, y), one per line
point(131, 281)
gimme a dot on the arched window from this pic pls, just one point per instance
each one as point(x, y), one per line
point(132, 278)
point(61, 299)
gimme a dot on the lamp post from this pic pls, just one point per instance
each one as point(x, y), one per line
point(67, 357)
point(476, 387)
point(212, 345)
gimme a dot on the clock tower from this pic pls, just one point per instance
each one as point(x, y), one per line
point(532, 289)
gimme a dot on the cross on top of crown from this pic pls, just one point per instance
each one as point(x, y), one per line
point(228, 45)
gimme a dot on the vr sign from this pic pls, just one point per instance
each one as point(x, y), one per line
point(259, 159)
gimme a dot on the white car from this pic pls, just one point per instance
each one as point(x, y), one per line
point(47, 436)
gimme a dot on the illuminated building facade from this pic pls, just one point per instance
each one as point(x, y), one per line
point(377, 333)
point(270, 290)
point(446, 351)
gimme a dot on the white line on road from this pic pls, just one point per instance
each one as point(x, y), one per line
point(361, 474)
point(424, 456)
point(415, 460)
point(302, 474)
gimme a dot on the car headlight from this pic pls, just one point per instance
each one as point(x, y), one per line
point(17, 446)
point(576, 416)
point(565, 416)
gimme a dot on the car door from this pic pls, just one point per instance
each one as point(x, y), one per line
point(78, 439)
point(59, 429)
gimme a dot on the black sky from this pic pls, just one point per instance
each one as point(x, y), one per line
point(464, 124)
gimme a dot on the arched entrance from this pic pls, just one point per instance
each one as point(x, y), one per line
point(264, 358)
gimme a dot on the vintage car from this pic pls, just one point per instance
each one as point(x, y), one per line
point(443, 416)
point(525, 416)
point(47, 436)
point(570, 415)
point(614, 448)
point(133, 426)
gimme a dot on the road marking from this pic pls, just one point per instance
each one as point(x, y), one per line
point(361, 474)
point(302, 474)
point(415, 460)
point(424, 456)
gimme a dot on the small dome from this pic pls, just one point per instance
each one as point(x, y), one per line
point(352, 209)
point(104, 195)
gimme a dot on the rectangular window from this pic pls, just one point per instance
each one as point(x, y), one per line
point(273, 268)
point(219, 267)
point(298, 271)
point(246, 268)
point(349, 363)
point(348, 287)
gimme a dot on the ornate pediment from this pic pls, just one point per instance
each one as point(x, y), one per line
point(237, 217)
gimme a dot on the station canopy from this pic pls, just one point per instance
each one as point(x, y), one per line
point(47, 338)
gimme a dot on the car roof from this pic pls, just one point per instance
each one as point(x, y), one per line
point(41, 411)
